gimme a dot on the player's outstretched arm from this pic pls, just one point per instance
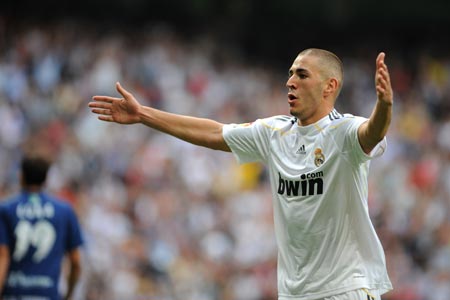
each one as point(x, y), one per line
point(127, 110)
point(374, 130)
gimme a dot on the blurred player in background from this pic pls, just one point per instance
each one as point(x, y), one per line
point(318, 161)
point(37, 230)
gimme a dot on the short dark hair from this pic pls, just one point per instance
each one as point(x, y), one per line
point(34, 170)
point(330, 63)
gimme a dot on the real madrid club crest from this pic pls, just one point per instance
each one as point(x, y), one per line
point(319, 158)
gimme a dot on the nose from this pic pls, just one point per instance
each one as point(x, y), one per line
point(290, 84)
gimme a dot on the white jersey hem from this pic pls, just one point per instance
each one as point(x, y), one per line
point(382, 288)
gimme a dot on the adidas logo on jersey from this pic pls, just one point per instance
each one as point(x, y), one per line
point(301, 150)
point(309, 184)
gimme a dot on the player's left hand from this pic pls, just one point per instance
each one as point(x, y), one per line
point(383, 81)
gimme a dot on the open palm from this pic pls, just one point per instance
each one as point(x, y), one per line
point(120, 110)
point(383, 81)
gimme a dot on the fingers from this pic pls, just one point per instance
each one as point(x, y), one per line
point(381, 67)
point(98, 111)
point(383, 82)
point(102, 105)
point(382, 79)
point(109, 99)
point(96, 104)
point(382, 72)
point(380, 59)
point(109, 108)
point(105, 99)
point(381, 90)
point(106, 118)
point(103, 109)
point(122, 91)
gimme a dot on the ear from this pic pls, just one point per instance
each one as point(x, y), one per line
point(331, 87)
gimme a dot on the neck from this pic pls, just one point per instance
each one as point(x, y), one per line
point(313, 119)
point(32, 188)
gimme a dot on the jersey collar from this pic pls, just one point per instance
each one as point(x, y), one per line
point(319, 125)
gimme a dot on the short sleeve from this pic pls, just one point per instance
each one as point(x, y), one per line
point(3, 231)
point(352, 145)
point(74, 237)
point(248, 141)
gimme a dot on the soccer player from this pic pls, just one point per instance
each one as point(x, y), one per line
point(36, 231)
point(318, 162)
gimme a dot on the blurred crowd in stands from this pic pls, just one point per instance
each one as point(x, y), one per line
point(163, 219)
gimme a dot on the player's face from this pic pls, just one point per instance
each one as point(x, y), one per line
point(306, 87)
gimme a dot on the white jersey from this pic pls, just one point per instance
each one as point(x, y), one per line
point(327, 244)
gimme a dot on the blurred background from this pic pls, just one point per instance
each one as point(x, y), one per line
point(163, 219)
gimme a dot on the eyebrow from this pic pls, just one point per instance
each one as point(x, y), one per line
point(297, 70)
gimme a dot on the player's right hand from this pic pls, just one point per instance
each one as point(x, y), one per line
point(120, 110)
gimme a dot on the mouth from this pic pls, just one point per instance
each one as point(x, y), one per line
point(292, 99)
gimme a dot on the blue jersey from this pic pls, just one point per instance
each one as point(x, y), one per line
point(38, 230)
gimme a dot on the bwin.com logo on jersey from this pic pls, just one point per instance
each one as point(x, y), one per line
point(309, 184)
